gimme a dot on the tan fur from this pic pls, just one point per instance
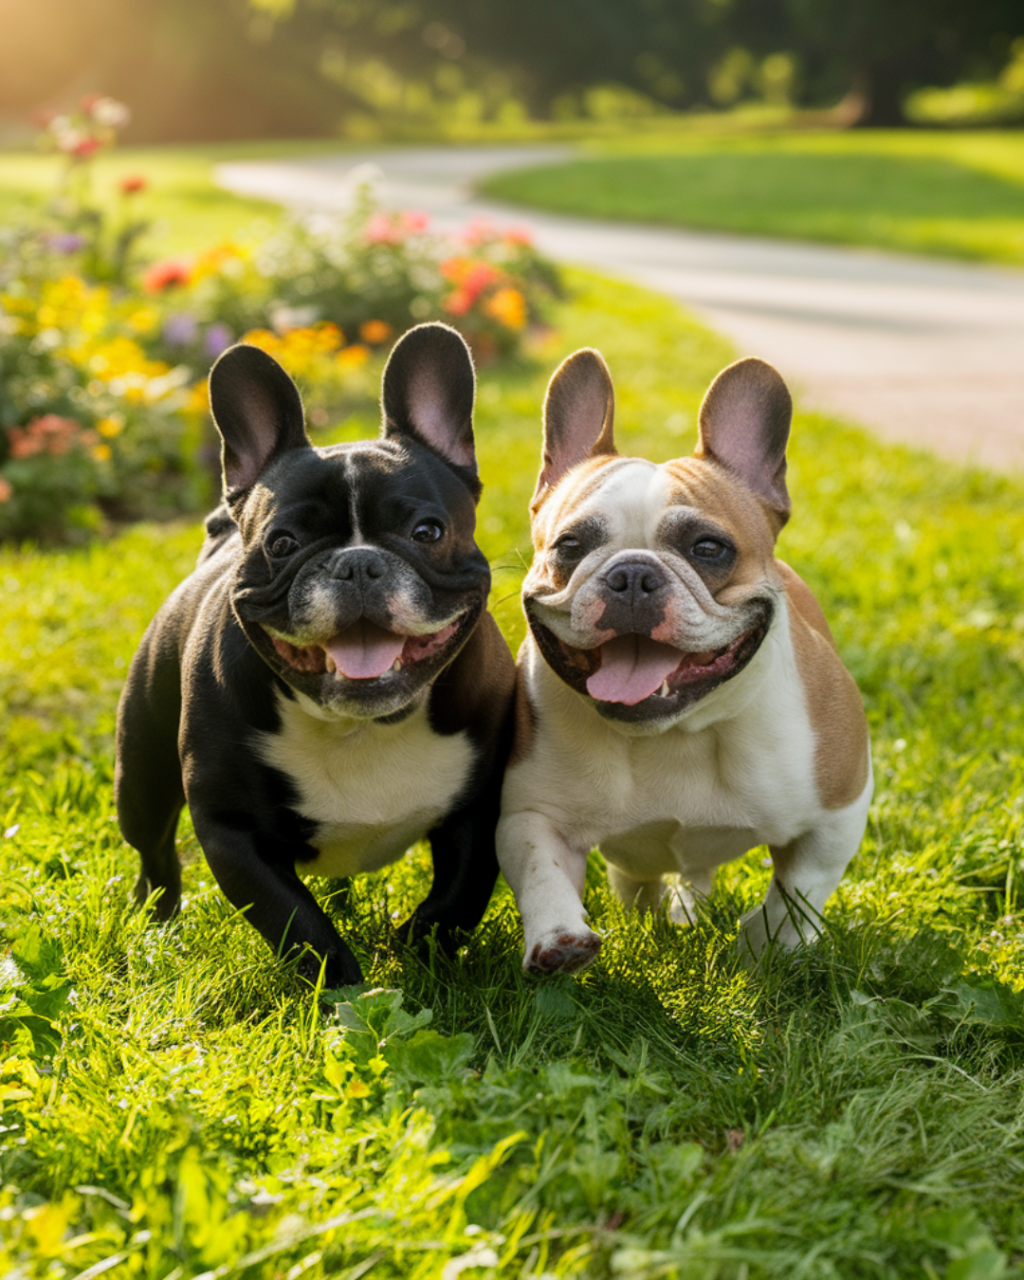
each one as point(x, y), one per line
point(709, 487)
point(833, 701)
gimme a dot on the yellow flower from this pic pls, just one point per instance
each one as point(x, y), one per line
point(508, 307)
point(358, 1089)
point(110, 427)
point(102, 452)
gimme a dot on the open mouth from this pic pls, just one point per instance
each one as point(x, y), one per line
point(365, 651)
point(635, 671)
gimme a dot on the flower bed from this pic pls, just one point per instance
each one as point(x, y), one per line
point(103, 364)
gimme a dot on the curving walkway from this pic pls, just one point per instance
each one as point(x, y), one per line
point(920, 350)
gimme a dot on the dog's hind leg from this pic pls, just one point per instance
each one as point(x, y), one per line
point(638, 895)
point(807, 872)
point(148, 790)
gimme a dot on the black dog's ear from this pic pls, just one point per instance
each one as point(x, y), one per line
point(258, 412)
point(427, 393)
point(744, 427)
point(578, 413)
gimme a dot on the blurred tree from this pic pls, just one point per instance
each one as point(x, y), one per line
point(194, 69)
point(873, 52)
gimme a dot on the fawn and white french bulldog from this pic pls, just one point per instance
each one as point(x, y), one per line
point(327, 687)
point(680, 698)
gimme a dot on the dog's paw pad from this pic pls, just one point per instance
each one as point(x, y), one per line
point(563, 953)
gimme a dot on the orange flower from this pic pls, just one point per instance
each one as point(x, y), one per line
point(168, 274)
point(133, 183)
point(352, 357)
point(472, 276)
point(508, 307)
point(6, 489)
point(373, 332)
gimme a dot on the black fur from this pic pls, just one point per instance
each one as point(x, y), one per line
point(207, 679)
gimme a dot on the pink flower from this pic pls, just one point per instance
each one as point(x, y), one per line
point(47, 434)
point(478, 231)
point(382, 229)
point(415, 221)
point(519, 235)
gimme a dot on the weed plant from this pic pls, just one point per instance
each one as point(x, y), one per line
point(177, 1103)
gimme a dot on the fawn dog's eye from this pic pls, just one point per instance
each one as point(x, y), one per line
point(711, 550)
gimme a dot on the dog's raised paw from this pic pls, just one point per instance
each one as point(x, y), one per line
point(563, 952)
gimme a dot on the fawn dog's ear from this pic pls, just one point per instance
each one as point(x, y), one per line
point(258, 412)
point(578, 413)
point(744, 427)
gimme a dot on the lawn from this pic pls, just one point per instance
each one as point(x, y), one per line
point(186, 208)
point(177, 1103)
point(958, 194)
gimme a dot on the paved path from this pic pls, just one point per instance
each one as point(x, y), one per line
point(920, 350)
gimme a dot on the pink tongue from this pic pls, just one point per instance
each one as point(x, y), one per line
point(632, 668)
point(365, 651)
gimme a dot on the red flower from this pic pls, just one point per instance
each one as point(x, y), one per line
point(85, 147)
point(458, 303)
point(169, 274)
point(132, 183)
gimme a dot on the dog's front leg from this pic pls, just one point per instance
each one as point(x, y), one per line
point(263, 883)
point(547, 875)
point(465, 869)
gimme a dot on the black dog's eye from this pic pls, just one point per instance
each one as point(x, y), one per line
point(711, 550)
point(281, 544)
point(428, 531)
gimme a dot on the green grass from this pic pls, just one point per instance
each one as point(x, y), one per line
point(183, 202)
point(957, 194)
point(176, 1103)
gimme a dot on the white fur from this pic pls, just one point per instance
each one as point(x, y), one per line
point(735, 771)
point(372, 789)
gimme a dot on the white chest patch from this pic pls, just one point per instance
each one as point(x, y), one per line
point(372, 790)
point(738, 772)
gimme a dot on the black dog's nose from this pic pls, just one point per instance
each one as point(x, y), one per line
point(636, 579)
point(361, 564)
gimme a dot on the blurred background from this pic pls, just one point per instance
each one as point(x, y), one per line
point(204, 70)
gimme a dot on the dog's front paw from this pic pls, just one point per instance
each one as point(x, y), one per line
point(562, 952)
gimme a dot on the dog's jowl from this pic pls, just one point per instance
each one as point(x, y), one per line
point(327, 687)
point(680, 698)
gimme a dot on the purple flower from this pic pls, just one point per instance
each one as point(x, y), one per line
point(218, 338)
point(180, 330)
point(65, 242)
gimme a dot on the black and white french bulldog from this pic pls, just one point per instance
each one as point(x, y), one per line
point(327, 687)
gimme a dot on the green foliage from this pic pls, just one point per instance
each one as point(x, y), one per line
point(177, 1102)
point(958, 194)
